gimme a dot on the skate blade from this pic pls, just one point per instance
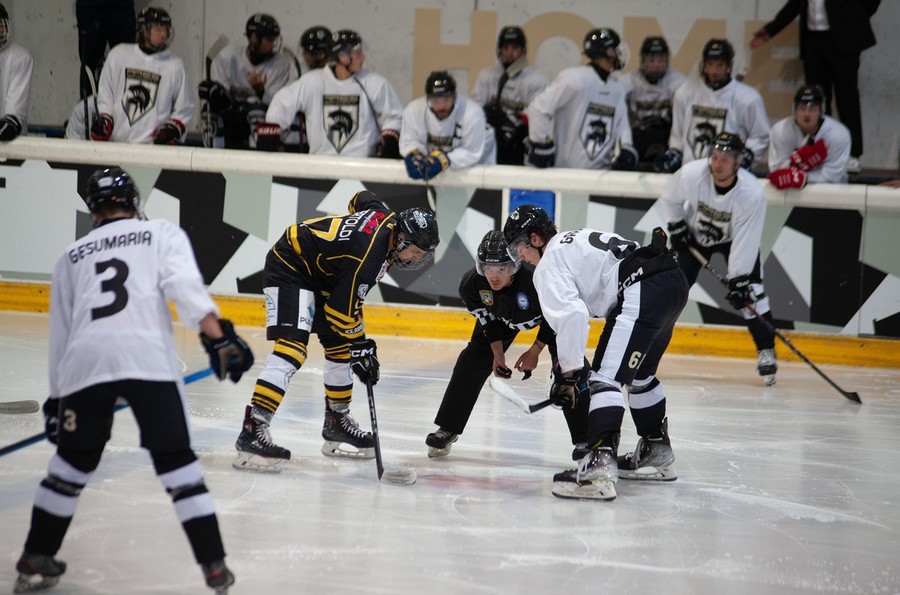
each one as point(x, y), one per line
point(598, 490)
point(342, 449)
point(769, 379)
point(246, 461)
point(436, 453)
point(649, 474)
point(26, 583)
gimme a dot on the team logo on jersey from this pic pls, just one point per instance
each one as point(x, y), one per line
point(522, 301)
point(596, 129)
point(362, 290)
point(381, 273)
point(445, 143)
point(139, 98)
point(712, 224)
point(705, 124)
point(487, 297)
point(340, 114)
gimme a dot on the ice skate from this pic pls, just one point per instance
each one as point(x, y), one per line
point(580, 451)
point(652, 458)
point(218, 577)
point(37, 572)
point(766, 365)
point(256, 451)
point(344, 438)
point(440, 442)
point(594, 479)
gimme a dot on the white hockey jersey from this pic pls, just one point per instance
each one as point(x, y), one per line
point(16, 66)
point(577, 279)
point(736, 216)
point(584, 115)
point(517, 93)
point(648, 104)
point(143, 91)
point(787, 137)
point(463, 135)
point(700, 113)
point(109, 317)
point(342, 117)
point(232, 68)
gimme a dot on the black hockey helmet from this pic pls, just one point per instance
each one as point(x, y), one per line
point(809, 94)
point(493, 251)
point(513, 35)
point(419, 228)
point(718, 49)
point(524, 221)
point(316, 39)
point(4, 26)
point(148, 17)
point(264, 25)
point(343, 42)
point(654, 45)
point(112, 185)
point(727, 141)
point(440, 84)
point(603, 43)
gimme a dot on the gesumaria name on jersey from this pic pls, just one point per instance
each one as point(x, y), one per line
point(713, 214)
point(86, 249)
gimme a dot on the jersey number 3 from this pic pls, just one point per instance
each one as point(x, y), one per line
point(114, 285)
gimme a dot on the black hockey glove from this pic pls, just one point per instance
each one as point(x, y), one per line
point(229, 355)
point(746, 158)
point(102, 127)
point(10, 128)
point(269, 137)
point(364, 360)
point(668, 163)
point(388, 146)
point(678, 236)
point(51, 418)
point(168, 133)
point(566, 391)
point(216, 94)
point(627, 159)
point(739, 293)
point(541, 154)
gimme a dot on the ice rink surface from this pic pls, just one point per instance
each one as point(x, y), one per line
point(788, 489)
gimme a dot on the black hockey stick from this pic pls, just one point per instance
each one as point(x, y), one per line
point(220, 43)
point(85, 109)
point(93, 84)
point(396, 475)
point(847, 395)
point(509, 393)
point(194, 377)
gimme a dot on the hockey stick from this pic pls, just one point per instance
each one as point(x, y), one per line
point(194, 377)
point(220, 43)
point(510, 394)
point(93, 84)
point(850, 396)
point(431, 195)
point(395, 475)
point(86, 110)
point(19, 406)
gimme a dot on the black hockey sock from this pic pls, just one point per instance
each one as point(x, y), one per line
point(647, 421)
point(762, 336)
point(47, 532)
point(604, 423)
point(206, 541)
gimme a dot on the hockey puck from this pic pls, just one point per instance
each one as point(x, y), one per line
point(399, 476)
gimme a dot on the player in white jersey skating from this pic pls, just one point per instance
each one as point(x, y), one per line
point(581, 117)
point(244, 78)
point(648, 94)
point(504, 90)
point(640, 291)
point(144, 94)
point(349, 110)
point(444, 130)
point(111, 337)
point(701, 109)
point(16, 66)
point(808, 146)
point(714, 205)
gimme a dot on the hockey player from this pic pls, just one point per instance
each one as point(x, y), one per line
point(16, 66)
point(244, 78)
point(701, 109)
point(315, 280)
point(714, 205)
point(504, 90)
point(315, 45)
point(809, 146)
point(349, 110)
point(640, 291)
point(144, 94)
point(578, 120)
point(502, 298)
point(648, 94)
point(444, 130)
point(111, 337)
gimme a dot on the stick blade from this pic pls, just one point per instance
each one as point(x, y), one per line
point(216, 47)
point(399, 476)
point(15, 407)
point(852, 397)
point(507, 392)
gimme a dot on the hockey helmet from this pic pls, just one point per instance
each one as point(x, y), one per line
point(524, 221)
point(809, 94)
point(112, 185)
point(344, 42)
point(494, 252)
point(603, 43)
point(262, 26)
point(148, 17)
point(316, 39)
point(729, 142)
point(440, 84)
point(654, 46)
point(717, 49)
point(4, 26)
point(511, 35)
point(419, 228)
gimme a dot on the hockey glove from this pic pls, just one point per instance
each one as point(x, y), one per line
point(268, 137)
point(627, 159)
point(788, 177)
point(415, 163)
point(541, 154)
point(746, 159)
point(566, 391)
point(102, 127)
point(216, 95)
point(810, 156)
point(10, 128)
point(229, 355)
point(678, 236)
point(364, 360)
point(668, 163)
point(435, 164)
point(739, 293)
point(388, 146)
point(51, 418)
point(169, 133)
